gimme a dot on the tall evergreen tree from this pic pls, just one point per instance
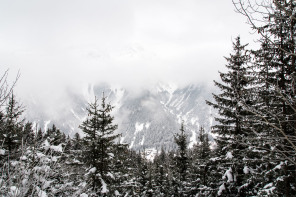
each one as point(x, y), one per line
point(28, 134)
point(200, 177)
point(162, 184)
point(275, 112)
point(99, 145)
point(264, 73)
point(123, 168)
point(231, 128)
point(11, 131)
point(182, 160)
point(233, 91)
point(143, 176)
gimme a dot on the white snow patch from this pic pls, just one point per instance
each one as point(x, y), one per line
point(147, 125)
point(35, 126)
point(83, 184)
point(54, 159)
point(46, 145)
point(42, 194)
point(213, 145)
point(132, 143)
point(110, 175)
point(117, 193)
point(46, 123)
point(228, 174)
point(194, 120)
point(23, 158)
point(2, 152)
point(46, 184)
point(14, 163)
point(83, 195)
point(279, 166)
point(92, 170)
point(272, 148)
point(57, 148)
point(246, 170)
point(122, 140)
point(39, 155)
point(229, 155)
point(45, 168)
point(139, 127)
point(169, 88)
point(104, 187)
point(24, 182)
point(111, 155)
point(177, 102)
point(269, 188)
point(72, 129)
point(268, 185)
point(192, 139)
point(214, 159)
point(150, 154)
point(14, 191)
point(142, 142)
point(76, 161)
point(221, 188)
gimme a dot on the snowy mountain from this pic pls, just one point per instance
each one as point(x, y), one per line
point(148, 119)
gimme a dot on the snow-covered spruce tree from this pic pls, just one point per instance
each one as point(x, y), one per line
point(73, 161)
point(161, 171)
point(282, 113)
point(231, 128)
point(11, 130)
point(39, 170)
point(200, 166)
point(130, 173)
point(264, 159)
point(181, 162)
point(277, 28)
point(143, 176)
point(122, 166)
point(28, 134)
point(173, 174)
point(2, 130)
point(99, 147)
point(55, 136)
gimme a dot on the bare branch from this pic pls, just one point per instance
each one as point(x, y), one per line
point(5, 88)
point(252, 10)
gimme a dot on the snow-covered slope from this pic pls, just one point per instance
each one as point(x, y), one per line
point(146, 120)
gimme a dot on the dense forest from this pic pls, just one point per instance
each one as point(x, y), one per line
point(255, 133)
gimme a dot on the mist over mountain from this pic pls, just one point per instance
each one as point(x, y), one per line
point(146, 119)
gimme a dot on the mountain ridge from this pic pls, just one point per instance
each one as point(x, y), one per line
point(148, 119)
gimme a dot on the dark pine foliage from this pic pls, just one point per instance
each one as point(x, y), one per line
point(99, 144)
point(11, 127)
point(232, 127)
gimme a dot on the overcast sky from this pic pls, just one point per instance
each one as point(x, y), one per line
point(61, 43)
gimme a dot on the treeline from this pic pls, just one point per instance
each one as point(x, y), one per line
point(49, 163)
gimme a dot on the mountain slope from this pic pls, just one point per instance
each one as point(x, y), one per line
point(146, 120)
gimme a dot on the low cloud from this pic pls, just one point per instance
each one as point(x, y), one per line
point(59, 45)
